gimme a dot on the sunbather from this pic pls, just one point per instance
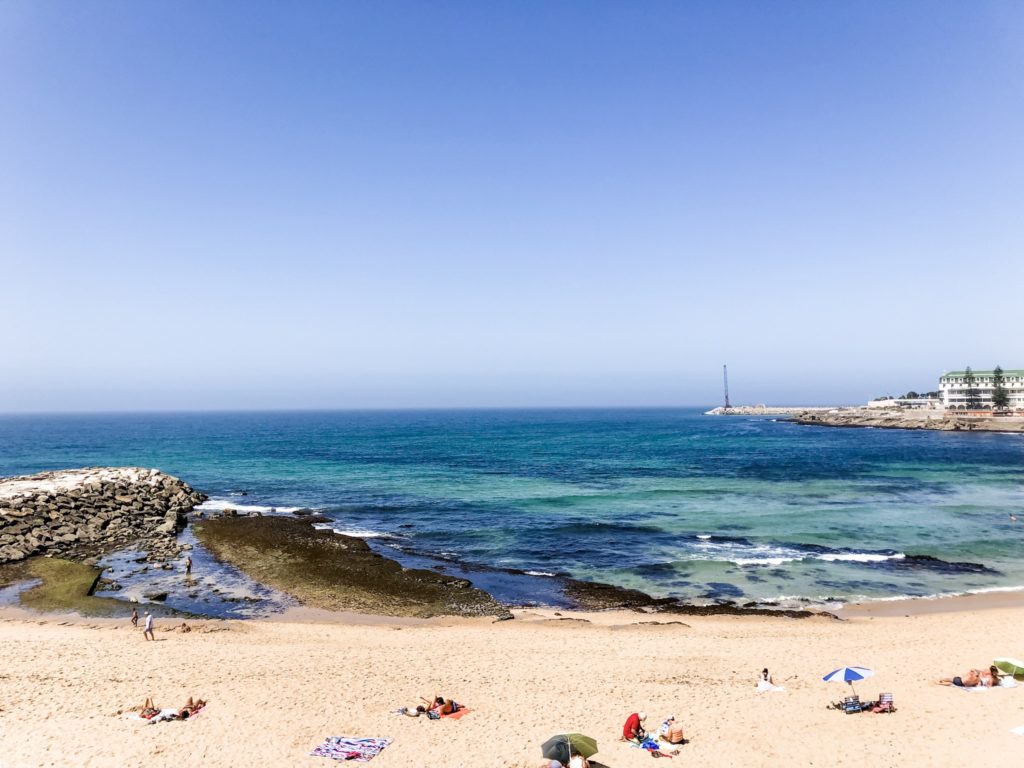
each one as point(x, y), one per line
point(442, 706)
point(971, 680)
point(149, 709)
point(192, 707)
point(990, 678)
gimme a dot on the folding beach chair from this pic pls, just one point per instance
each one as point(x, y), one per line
point(851, 704)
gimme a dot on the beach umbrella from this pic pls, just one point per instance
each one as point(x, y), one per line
point(565, 745)
point(848, 675)
point(1013, 667)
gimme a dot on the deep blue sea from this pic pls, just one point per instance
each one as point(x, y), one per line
point(668, 501)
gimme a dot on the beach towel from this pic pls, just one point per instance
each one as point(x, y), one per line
point(456, 715)
point(345, 748)
point(164, 715)
point(1019, 730)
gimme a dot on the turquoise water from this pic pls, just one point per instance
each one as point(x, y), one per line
point(667, 501)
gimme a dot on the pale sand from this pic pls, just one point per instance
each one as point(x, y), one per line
point(277, 688)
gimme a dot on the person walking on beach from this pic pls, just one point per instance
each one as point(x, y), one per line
point(148, 631)
point(188, 564)
point(135, 616)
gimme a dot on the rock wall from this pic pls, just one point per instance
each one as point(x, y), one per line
point(87, 512)
point(910, 419)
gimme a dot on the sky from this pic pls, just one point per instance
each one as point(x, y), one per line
point(221, 205)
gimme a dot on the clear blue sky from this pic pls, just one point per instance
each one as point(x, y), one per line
point(388, 204)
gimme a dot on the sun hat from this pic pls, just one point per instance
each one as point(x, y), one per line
point(643, 716)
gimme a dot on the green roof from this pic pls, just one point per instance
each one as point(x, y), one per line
point(961, 374)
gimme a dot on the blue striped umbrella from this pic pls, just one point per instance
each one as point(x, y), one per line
point(848, 675)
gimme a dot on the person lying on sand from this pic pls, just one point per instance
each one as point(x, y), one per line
point(191, 708)
point(971, 680)
point(441, 705)
point(990, 678)
point(149, 709)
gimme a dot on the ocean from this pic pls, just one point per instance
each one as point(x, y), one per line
point(667, 501)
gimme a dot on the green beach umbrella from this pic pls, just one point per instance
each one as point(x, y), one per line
point(565, 745)
point(1013, 667)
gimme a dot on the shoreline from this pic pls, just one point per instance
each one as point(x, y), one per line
point(1009, 599)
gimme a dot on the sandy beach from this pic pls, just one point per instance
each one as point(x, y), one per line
point(278, 688)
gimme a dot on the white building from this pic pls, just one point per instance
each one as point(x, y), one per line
point(953, 386)
point(914, 403)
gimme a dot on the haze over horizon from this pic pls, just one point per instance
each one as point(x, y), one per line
point(212, 206)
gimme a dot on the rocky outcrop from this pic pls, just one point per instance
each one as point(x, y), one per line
point(909, 419)
point(336, 572)
point(87, 512)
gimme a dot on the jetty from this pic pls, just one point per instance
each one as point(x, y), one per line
point(87, 512)
point(766, 410)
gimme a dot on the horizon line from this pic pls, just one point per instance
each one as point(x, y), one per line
point(378, 409)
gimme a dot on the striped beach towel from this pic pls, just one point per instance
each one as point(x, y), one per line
point(345, 748)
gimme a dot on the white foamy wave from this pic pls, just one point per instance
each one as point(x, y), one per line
point(762, 560)
point(811, 603)
point(704, 536)
point(539, 573)
point(219, 505)
point(359, 533)
point(860, 557)
point(936, 596)
point(743, 554)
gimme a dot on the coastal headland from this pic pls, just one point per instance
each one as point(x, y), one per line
point(879, 418)
point(908, 419)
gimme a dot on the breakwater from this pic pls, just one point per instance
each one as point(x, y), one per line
point(92, 511)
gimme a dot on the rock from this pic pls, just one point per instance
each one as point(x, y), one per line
point(89, 512)
point(157, 597)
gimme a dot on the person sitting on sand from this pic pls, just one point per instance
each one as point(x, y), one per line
point(671, 731)
point(632, 730)
point(766, 683)
point(971, 680)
